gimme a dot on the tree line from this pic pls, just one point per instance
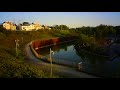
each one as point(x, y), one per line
point(60, 27)
point(98, 32)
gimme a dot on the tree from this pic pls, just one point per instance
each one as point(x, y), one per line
point(56, 27)
point(63, 27)
point(2, 29)
point(117, 30)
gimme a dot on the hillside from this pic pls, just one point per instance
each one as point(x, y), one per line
point(15, 66)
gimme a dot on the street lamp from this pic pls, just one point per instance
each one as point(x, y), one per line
point(51, 52)
point(17, 45)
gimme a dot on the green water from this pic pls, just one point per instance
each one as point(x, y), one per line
point(67, 54)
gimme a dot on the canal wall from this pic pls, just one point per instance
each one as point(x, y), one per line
point(34, 52)
point(45, 43)
point(36, 44)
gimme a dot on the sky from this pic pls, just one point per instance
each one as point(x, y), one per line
point(71, 19)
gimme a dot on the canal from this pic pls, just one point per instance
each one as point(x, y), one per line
point(67, 54)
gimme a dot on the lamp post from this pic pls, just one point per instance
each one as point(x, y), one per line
point(16, 41)
point(51, 52)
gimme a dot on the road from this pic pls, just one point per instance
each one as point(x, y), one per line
point(63, 70)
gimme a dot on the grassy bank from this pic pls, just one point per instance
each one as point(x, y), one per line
point(15, 66)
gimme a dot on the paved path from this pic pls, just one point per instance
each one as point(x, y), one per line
point(67, 71)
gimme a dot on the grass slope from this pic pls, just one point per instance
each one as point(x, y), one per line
point(12, 66)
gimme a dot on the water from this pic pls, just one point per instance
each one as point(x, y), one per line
point(64, 53)
point(67, 54)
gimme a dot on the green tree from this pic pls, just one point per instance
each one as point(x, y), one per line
point(2, 29)
point(56, 27)
point(63, 27)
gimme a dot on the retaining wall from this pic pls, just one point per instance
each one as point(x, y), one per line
point(34, 45)
point(42, 43)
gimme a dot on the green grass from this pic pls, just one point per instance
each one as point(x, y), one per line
point(16, 67)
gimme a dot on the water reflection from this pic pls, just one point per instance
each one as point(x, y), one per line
point(69, 54)
point(64, 53)
point(98, 65)
point(56, 48)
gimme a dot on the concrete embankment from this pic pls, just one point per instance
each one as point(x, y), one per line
point(34, 45)
point(47, 42)
point(62, 70)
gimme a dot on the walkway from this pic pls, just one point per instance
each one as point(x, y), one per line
point(63, 70)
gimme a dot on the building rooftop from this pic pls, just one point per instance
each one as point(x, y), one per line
point(26, 25)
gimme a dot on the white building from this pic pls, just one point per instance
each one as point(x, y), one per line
point(30, 27)
point(9, 25)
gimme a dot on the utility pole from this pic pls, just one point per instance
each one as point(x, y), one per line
point(17, 45)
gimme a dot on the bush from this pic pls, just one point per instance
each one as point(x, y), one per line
point(2, 35)
point(2, 29)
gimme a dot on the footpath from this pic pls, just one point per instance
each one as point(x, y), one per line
point(62, 70)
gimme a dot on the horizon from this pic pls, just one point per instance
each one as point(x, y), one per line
point(71, 19)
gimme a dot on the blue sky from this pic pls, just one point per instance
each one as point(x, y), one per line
point(71, 19)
